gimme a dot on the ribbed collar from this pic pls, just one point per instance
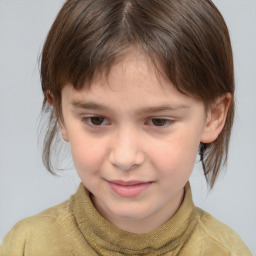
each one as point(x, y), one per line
point(104, 237)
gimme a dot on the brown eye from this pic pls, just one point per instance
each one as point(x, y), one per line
point(160, 122)
point(96, 120)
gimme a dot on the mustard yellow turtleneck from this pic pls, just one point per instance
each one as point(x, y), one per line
point(76, 228)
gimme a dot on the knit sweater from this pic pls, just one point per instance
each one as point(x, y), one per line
point(76, 228)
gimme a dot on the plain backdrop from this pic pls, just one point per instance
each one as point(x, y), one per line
point(26, 188)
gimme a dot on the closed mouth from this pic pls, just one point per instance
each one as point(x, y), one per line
point(129, 183)
point(129, 188)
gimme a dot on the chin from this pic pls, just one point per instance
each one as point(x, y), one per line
point(134, 213)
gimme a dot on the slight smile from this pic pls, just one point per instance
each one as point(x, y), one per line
point(128, 188)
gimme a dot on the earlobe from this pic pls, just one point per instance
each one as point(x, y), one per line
point(216, 118)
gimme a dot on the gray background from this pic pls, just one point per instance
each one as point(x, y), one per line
point(26, 188)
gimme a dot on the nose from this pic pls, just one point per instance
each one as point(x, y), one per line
point(126, 152)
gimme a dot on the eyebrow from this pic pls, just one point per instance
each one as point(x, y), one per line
point(90, 105)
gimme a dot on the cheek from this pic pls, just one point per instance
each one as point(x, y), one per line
point(87, 153)
point(176, 155)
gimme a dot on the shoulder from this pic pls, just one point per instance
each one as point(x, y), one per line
point(216, 234)
point(44, 219)
point(43, 226)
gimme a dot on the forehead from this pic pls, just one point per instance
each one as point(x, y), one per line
point(132, 78)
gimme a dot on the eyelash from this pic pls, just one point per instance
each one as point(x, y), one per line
point(87, 121)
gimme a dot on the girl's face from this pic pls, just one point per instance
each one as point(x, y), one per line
point(134, 140)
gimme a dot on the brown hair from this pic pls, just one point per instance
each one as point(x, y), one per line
point(188, 39)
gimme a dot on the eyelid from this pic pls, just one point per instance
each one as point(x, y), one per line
point(168, 121)
point(86, 118)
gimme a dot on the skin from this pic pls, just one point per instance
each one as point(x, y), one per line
point(124, 142)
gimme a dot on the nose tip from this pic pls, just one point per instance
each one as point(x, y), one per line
point(126, 162)
point(126, 156)
point(126, 150)
point(124, 167)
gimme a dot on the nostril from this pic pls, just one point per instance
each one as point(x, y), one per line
point(125, 167)
point(126, 162)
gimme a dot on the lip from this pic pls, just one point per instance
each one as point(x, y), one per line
point(129, 188)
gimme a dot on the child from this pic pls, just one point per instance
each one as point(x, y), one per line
point(137, 88)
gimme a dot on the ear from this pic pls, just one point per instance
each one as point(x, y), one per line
point(216, 118)
point(63, 131)
point(49, 97)
point(50, 100)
